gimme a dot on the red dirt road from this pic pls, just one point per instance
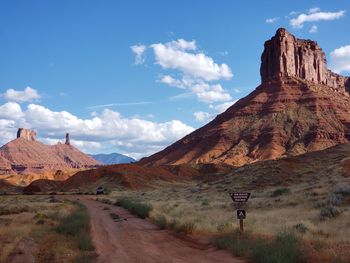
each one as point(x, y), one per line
point(138, 240)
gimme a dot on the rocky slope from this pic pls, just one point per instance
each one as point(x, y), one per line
point(25, 155)
point(300, 107)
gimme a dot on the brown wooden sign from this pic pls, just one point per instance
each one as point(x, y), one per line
point(240, 197)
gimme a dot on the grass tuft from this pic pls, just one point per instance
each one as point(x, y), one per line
point(77, 224)
point(137, 208)
point(280, 191)
point(285, 248)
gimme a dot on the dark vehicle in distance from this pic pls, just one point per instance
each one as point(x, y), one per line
point(100, 190)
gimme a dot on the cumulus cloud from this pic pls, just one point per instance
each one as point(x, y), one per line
point(340, 59)
point(96, 132)
point(176, 55)
point(219, 108)
point(204, 91)
point(191, 70)
point(313, 29)
point(139, 50)
point(202, 116)
point(271, 20)
point(27, 95)
point(314, 15)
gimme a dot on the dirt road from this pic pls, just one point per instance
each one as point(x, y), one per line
point(138, 240)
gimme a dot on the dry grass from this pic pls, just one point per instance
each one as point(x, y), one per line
point(270, 211)
point(28, 235)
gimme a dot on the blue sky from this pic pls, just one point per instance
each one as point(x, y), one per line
point(195, 59)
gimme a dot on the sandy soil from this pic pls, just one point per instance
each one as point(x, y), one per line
point(136, 240)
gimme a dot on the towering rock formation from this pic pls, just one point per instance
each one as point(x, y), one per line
point(29, 135)
point(286, 56)
point(67, 139)
point(300, 106)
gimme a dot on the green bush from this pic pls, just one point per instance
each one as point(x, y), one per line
point(77, 225)
point(279, 192)
point(239, 244)
point(137, 208)
point(284, 249)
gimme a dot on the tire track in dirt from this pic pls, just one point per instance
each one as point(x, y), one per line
point(137, 240)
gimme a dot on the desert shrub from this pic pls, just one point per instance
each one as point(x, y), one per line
point(223, 227)
point(284, 249)
point(84, 241)
point(343, 190)
point(137, 208)
point(335, 199)
point(279, 192)
point(330, 212)
point(186, 227)
point(301, 228)
point(239, 244)
point(161, 221)
point(77, 225)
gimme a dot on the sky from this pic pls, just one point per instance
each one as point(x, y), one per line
point(135, 76)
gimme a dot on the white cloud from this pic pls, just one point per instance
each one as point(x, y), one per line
point(340, 59)
point(174, 55)
point(204, 91)
point(219, 108)
point(139, 50)
point(314, 10)
point(27, 95)
point(271, 20)
point(202, 116)
point(211, 93)
point(139, 136)
point(313, 29)
point(315, 15)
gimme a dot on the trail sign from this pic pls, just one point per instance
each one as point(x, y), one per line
point(241, 214)
point(240, 197)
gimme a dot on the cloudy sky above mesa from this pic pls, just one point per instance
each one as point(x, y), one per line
point(135, 76)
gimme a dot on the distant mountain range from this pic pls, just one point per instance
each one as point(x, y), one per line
point(112, 158)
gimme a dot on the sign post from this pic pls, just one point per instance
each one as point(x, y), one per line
point(240, 198)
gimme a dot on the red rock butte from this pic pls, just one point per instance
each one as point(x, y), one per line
point(25, 155)
point(300, 106)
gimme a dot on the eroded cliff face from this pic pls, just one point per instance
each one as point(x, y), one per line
point(300, 107)
point(286, 56)
point(29, 135)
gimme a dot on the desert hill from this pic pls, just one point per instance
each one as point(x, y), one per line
point(300, 107)
point(27, 157)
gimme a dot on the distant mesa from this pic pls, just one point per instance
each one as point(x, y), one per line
point(300, 106)
point(26, 159)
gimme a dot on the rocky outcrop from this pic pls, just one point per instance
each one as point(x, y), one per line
point(26, 156)
point(67, 139)
point(300, 107)
point(286, 56)
point(29, 135)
